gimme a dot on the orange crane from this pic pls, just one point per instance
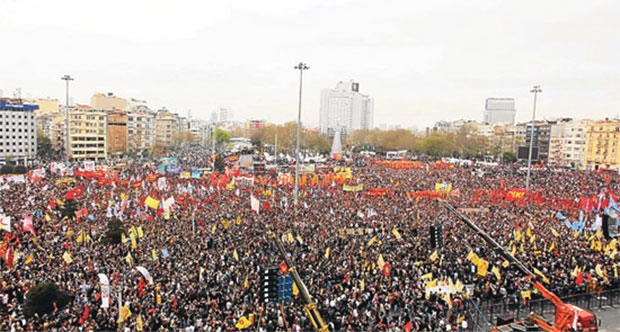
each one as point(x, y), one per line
point(568, 317)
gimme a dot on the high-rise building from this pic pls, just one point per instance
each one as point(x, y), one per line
point(345, 108)
point(500, 110)
point(603, 145)
point(107, 102)
point(88, 133)
point(575, 142)
point(224, 115)
point(18, 131)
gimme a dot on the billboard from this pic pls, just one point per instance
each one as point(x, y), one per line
point(523, 153)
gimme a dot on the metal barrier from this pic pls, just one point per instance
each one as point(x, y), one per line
point(519, 310)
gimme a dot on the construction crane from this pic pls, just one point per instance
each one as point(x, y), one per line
point(310, 308)
point(567, 316)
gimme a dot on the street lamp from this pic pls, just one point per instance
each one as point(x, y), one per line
point(301, 67)
point(536, 89)
point(67, 78)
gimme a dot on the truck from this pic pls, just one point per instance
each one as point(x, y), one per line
point(568, 317)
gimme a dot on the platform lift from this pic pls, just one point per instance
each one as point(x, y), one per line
point(567, 316)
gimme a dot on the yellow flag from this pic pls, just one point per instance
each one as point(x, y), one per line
point(213, 228)
point(139, 323)
point(459, 285)
point(235, 255)
point(495, 271)
point(552, 247)
point(373, 240)
point(140, 232)
point(67, 257)
point(129, 259)
point(290, 238)
point(238, 220)
point(505, 264)
point(362, 284)
point(134, 243)
point(554, 232)
point(599, 270)
point(80, 237)
point(545, 280)
point(427, 276)
point(47, 217)
point(434, 256)
point(526, 295)
point(327, 253)
point(396, 233)
point(295, 289)
point(380, 262)
point(246, 282)
point(532, 238)
point(299, 240)
point(154, 253)
point(529, 232)
point(483, 267)
point(123, 238)
point(225, 223)
point(243, 322)
point(29, 258)
point(152, 203)
point(125, 313)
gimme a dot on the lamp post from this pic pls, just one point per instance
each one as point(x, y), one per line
point(301, 67)
point(67, 78)
point(536, 89)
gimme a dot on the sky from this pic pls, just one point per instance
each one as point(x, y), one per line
point(421, 61)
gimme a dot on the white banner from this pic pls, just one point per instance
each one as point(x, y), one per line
point(145, 274)
point(105, 290)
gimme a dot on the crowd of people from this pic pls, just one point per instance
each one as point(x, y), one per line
point(366, 259)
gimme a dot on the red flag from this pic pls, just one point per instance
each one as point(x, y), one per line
point(386, 269)
point(283, 268)
point(86, 313)
point(408, 326)
point(75, 192)
point(141, 285)
point(579, 279)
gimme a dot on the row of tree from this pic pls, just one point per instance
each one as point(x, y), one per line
point(464, 143)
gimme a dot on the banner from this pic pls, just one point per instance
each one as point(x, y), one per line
point(515, 194)
point(347, 187)
point(443, 187)
point(105, 290)
point(152, 203)
point(89, 165)
point(145, 273)
point(65, 180)
point(426, 194)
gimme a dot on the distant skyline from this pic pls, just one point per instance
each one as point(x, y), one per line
point(420, 61)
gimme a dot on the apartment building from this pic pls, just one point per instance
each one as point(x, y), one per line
point(602, 145)
point(88, 133)
point(18, 131)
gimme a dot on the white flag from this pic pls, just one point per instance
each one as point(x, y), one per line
point(5, 223)
point(255, 204)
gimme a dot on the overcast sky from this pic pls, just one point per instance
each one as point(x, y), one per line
point(422, 61)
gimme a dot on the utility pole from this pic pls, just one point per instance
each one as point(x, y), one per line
point(301, 67)
point(67, 78)
point(536, 89)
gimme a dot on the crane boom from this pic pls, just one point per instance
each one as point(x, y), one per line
point(310, 308)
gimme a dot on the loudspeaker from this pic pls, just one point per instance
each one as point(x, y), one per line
point(505, 319)
point(610, 226)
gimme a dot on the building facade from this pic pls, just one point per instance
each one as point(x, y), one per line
point(500, 110)
point(88, 133)
point(345, 108)
point(107, 102)
point(140, 130)
point(18, 130)
point(575, 143)
point(166, 126)
point(541, 138)
point(117, 132)
point(602, 145)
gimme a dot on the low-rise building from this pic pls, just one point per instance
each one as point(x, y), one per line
point(88, 133)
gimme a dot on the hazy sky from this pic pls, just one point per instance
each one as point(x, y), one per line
point(421, 61)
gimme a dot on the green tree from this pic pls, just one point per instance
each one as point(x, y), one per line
point(183, 137)
point(6, 169)
point(435, 145)
point(40, 299)
point(221, 136)
point(219, 165)
point(509, 157)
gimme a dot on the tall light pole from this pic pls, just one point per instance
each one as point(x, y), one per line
point(67, 78)
point(301, 67)
point(536, 89)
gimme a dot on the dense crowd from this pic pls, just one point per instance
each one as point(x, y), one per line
point(217, 245)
